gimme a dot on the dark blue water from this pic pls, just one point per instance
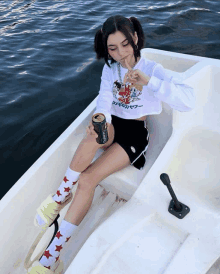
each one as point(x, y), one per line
point(48, 70)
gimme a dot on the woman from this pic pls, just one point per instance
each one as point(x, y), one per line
point(132, 87)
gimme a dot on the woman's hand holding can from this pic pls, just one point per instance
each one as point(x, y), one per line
point(90, 131)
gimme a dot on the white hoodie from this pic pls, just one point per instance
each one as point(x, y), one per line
point(118, 100)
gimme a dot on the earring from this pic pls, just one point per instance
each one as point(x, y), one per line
point(109, 57)
point(136, 47)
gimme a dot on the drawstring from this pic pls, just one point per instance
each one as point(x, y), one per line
point(144, 151)
point(141, 154)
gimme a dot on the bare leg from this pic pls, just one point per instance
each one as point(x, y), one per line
point(112, 160)
point(83, 156)
point(80, 206)
point(87, 150)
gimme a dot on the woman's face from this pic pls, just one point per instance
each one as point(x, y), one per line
point(119, 48)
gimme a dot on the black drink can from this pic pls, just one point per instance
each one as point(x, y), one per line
point(100, 127)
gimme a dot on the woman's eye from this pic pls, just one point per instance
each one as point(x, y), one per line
point(125, 45)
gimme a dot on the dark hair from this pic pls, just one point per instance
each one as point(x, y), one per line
point(124, 25)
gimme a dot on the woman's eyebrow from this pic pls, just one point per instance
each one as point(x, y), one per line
point(121, 43)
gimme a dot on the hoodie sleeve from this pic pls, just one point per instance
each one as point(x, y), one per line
point(105, 97)
point(171, 90)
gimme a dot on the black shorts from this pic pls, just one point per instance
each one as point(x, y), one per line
point(133, 137)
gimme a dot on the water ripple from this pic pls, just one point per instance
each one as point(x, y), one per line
point(165, 6)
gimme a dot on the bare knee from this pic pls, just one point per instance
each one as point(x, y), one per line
point(90, 141)
point(85, 182)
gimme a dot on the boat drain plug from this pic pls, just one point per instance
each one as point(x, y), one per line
point(176, 208)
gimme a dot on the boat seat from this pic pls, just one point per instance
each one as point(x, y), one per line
point(126, 181)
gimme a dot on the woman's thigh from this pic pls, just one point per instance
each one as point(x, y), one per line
point(111, 161)
point(87, 149)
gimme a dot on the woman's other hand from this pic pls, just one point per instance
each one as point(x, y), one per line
point(135, 76)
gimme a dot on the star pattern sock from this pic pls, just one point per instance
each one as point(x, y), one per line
point(69, 180)
point(52, 253)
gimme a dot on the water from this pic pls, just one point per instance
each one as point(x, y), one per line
point(48, 70)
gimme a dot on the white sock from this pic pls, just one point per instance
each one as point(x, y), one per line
point(52, 253)
point(69, 180)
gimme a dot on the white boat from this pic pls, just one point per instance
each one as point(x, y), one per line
point(128, 228)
